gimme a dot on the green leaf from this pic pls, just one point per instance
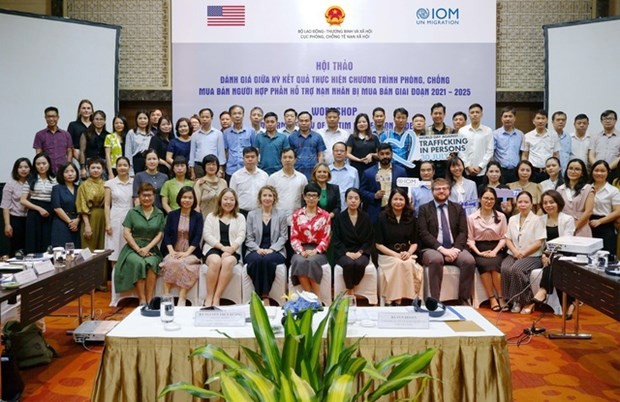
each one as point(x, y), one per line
point(258, 385)
point(390, 361)
point(256, 359)
point(232, 390)
point(302, 390)
point(286, 390)
point(190, 389)
point(414, 364)
point(216, 353)
point(265, 338)
point(292, 342)
point(340, 389)
point(354, 366)
point(337, 332)
point(392, 386)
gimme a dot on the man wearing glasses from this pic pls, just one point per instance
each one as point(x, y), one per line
point(606, 144)
point(442, 228)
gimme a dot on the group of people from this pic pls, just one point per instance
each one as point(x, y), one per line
point(263, 196)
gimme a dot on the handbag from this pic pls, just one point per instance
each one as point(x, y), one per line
point(27, 345)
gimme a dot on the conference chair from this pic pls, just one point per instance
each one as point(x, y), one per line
point(368, 286)
point(449, 284)
point(325, 285)
point(233, 291)
point(278, 289)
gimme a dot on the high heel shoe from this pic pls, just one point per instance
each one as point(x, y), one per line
point(502, 303)
point(495, 307)
point(569, 311)
point(529, 308)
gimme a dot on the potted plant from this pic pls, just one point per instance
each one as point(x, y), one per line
point(296, 373)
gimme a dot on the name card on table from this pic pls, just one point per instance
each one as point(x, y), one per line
point(403, 320)
point(26, 276)
point(43, 267)
point(86, 254)
point(219, 318)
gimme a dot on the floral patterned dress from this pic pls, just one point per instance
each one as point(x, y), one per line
point(309, 233)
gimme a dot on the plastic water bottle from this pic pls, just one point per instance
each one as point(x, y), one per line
point(166, 310)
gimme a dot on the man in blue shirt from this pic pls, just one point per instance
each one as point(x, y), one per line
point(207, 140)
point(344, 175)
point(507, 145)
point(558, 120)
point(378, 118)
point(270, 143)
point(401, 140)
point(423, 194)
point(308, 145)
point(236, 138)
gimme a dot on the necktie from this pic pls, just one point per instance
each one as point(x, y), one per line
point(445, 227)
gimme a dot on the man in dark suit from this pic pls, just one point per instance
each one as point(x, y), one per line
point(443, 236)
point(378, 181)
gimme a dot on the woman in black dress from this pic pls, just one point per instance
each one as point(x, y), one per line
point(353, 240)
point(362, 145)
point(160, 142)
point(66, 220)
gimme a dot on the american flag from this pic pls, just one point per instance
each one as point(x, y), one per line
point(225, 16)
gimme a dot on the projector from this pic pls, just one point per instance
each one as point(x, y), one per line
point(575, 245)
point(93, 331)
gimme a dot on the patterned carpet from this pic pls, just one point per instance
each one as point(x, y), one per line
point(542, 370)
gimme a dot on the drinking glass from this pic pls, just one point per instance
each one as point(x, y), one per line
point(166, 311)
point(352, 317)
point(70, 249)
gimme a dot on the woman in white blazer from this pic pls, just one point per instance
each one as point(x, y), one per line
point(556, 224)
point(223, 234)
point(267, 232)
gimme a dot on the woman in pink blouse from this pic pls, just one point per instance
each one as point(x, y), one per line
point(310, 234)
point(486, 239)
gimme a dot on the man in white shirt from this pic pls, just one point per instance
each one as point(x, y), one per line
point(558, 120)
point(479, 149)
point(332, 133)
point(539, 145)
point(289, 183)
point(606, 144)
point(344, 175)
point(248, 180)
point(205, 141)
point(580, 139)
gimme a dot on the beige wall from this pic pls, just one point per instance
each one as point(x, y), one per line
point(28, 6)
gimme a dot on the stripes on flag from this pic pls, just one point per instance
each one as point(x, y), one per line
point(226, 16)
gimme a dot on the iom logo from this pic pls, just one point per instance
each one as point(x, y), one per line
point(438, 16)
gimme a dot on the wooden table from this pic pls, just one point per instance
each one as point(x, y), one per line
point(589, 285)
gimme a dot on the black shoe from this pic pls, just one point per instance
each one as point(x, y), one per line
point(465, 302)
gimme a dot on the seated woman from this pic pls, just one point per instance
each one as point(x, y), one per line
point(493, 178)
point(486, 238)
point(310, 232)
point(525, 239)
point(556, 224)
point(397, 241)
point(267, 233)
point(223, 235)
point(462, 190)
point(353, 240)
point(138, 263)
point(181, 245)
point(525, 170)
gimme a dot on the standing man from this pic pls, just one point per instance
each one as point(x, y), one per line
point(270, 144)
point(378, 181)
point(378, 118)
point(248, 180)
point(403, 136)
point(558, 120)
point(479, 149)
point(539, 145)
point(438, 114)
point(256, 116)
point(459, 120)
point(154, 116)
point(443, 235)
point(207, 140)
point(308, 145)
point(53, 141)
point(507, 142)
point(332, 133)
point(606, 144)
point(422, 194)
point(580, 139)
point(225, 120)
point(289, 183)
point(236, 138)
point(290, 122)
point(344, 175)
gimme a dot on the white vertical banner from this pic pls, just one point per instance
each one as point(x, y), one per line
point(354, 55)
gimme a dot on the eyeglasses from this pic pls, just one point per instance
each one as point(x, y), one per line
point(608, 118)
point(441, 188)
point(311, 196)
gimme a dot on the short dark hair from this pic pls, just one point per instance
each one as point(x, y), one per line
point(206, 109)
point(558, 113)
point(210, 159)
point(60, 178)
point(557, 197)
point(541, 112)
point(378, 109)
point(436, 105)
point(582, 116)
point(606, 113)
point(459, 113)
point(332, 110)
point(290, 109)
point(250, 150)
point(384, 145)
point(418, 115)
point(304, 112)
point(225, 112)
point(509, 109)
point(473, 105)
point(288, 149)
point(270, 114)
point(339, 143)
point(312, 187)
point(187, 189)
point(230, 109)
point(400, 110)
point(51, 109)
point(146, 186)
point(95, 160)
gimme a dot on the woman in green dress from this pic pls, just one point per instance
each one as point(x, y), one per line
point(89, 202)
point(138, 263)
